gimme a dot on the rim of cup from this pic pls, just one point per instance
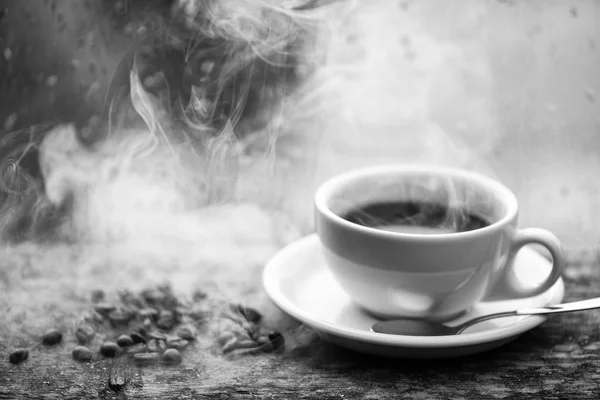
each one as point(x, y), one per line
point(330, 186)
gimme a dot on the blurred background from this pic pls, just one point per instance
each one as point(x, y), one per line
point(535, 124)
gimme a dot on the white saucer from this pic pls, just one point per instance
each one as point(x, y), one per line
point(299, 282)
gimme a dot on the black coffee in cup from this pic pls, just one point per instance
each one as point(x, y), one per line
point(415, 217)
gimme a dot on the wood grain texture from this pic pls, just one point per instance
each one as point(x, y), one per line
point(558, 360)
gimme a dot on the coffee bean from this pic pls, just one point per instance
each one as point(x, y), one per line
point(186, 332)
point(246, 344)
point(157, 335)
point(250, 314)
point(137, 348)
point(170, 301)
point(200, 313)
point(81, 353)
point(156, 346)
point(109, 349)
point(147, 323)
point(153, 297)
point(171, 356)
point(93, 316)
point(166, 320)
point(125, 341)
point(165, 314)
point(52, 337)
point(148, 312)
point(179, 313)
point(265, 345)
point(225, 337)
point(143, 358)
point(238, 343)
point(128, 298)
point(161, 345)
point(120, 317)
point(97, 296)
point(84, 334)
point(141, 331)
point(104, 308)
point(177, 343)
point(277, 340)
point(230, 345)
point(152, 345)
point(137, 338)
point(253, 331)
point(18, 355)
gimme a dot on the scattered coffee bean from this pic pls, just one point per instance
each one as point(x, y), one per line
point(225, 337)
point(165, 314)
point(166, 320)
point(265, 345)
point(82, 353)
point(152, 345)
point(186, 332)
point(52, 337)
point(169, 299)
point(246, 344)
point(170, 302)
point(238, 344)
point(157, 335)
point(137, 348)
point(93, 317)
point(147, 323)
point(230, 345)
point(200, 313)
point(179, 313)
point(249, 313)
point(156, 345)
point(128, 298)
point(162, 345)
point(137, 338)
point(104, 308)
point(253, 331)
point(143, 358)
point(84, 334)
point(141, 331)
point(177, 343)
point(171, 356)
point(18, 355)
point(148, 312)
point(120, 317)
point(109, 349)
point(153, 297)
point(125, 341)
point(277, 340)
point(97, 296)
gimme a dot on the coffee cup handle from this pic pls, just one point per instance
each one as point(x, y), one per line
point(508, 285)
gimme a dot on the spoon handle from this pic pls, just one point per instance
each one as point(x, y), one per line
point(554, 309)
point(562, 308)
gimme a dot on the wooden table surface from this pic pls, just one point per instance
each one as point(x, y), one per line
point(560, 359)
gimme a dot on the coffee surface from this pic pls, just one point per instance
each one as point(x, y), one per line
point(415, 217)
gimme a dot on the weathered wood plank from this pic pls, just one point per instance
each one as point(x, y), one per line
point(559, 359)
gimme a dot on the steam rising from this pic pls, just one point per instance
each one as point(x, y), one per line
point(269, 103)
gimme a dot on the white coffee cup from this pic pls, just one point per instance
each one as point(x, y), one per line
point(427, 272)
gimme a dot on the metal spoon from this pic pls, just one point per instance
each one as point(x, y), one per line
point(415, 327)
